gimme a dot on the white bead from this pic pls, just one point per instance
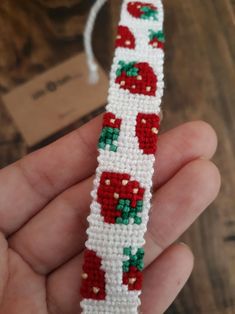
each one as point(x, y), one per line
point(132, 280)
point(84, 276)
point(95, 290)
point(155, 130)
point(116, 195)
point(124, 182)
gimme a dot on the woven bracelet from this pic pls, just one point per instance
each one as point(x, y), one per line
point(113, 258)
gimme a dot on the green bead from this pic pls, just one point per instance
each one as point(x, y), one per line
point(103, 132)
point(119, 207)
point(126, 209)
point(132, 214)
point(113, 148)
point(134, 258)
point(140, 251)
point(101, 145)
point(102, 139)
point(140, 265)
point(125, 268)
point(125, 216)
point(138, 220)
point(119, 220)
point(109, 136)
point(126, 221)
point(102, 135)
point(127, 251)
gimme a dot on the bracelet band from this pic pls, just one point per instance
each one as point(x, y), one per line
point(113, 259)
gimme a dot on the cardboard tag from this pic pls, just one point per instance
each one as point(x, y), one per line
point(55, 99)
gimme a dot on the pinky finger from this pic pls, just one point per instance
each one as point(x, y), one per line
point(165, 277)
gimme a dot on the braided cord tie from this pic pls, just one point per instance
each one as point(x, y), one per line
point(113, 259)
point(87, 39)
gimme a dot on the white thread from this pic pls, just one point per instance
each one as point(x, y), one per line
point(92, 65)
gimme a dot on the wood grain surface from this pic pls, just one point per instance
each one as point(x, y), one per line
point(200, 84)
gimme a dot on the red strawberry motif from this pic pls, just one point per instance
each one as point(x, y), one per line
point(132, 268)
point(146, 11)
point(111, 121)
point(147, 126)
point(137, 78)
point(157, 39)
point(125, 38)
point(133, 279)
point(110, 132)
point(121, 199)
point(93, 277)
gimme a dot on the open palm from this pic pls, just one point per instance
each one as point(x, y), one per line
point(44, 202)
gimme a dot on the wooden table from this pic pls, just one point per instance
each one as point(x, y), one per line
point(200, 84)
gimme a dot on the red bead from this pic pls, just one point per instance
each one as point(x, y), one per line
point(133, 273)
point(110, 120)
point(147, 126)
point(93, 284)
point(125, 38)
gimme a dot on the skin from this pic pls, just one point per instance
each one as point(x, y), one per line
point(45, 200)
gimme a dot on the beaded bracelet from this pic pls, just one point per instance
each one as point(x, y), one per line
point(113, 258)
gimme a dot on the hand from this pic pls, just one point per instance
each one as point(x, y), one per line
point(44, 202)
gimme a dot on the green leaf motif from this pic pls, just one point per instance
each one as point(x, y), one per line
point(159, 35)
point(132, 72)
point(107, 137)
point(134, 259)
point(127, 212)
point(149, 13)
point(129, 68)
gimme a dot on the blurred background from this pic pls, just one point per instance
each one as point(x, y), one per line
point(200, 84)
